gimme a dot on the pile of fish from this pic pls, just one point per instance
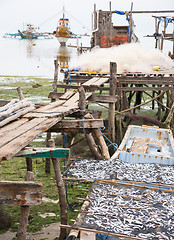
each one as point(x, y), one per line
point(114, 168)
point(145, 213)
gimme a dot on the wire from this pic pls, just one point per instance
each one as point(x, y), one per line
point(78, 21)
point(49, 19)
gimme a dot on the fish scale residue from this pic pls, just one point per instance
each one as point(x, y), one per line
point(130, 57)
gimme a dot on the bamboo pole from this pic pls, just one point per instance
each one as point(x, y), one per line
point(99, 231)
point(125, 183)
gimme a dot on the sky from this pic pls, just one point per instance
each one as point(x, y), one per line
point(14, 14)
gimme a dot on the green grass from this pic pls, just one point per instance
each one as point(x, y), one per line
point(37, 89)
point(15, 170)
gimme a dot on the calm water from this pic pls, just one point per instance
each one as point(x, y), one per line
point(34, 57)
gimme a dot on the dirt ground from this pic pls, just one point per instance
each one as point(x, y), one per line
point(47, 233)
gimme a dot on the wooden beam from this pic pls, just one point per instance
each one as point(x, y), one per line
point(20, 193)
point(78, 123)
point(142, 89)
point(103, 98)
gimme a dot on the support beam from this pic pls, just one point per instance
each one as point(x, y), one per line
point(20, 193)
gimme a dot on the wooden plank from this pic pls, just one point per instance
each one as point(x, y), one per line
point(100, 82)
point(20, 193)
point(44, 153)
point(77, 123)
point(19, 131)
point(67, 95)
point(11, 126)
point(103, 98)
point(72, 100)
point(66, 86)
point(13, 147)
point(84, 235)
point(91, 81)
point(54, 95)
point(88, 94)
point(43, 109)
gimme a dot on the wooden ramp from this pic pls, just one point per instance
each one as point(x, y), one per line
point(18, 134)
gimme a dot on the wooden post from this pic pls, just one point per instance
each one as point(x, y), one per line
point(82, 98)
point(92, 146)
point(163, 34)
point(47, 160)
point(21, 96)
point(98, 133)
point(25, 210)
point(55, 76)
point(130, 24)
point(111, 113)
point(61, 192)
point(29, 164)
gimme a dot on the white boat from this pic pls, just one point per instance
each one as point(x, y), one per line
point(145, 144)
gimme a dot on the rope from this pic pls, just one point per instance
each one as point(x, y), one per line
point(66, 191)
point(83, 126)
point(69, 76)
point(111, 143)
point(101, 236)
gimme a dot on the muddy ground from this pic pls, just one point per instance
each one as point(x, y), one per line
point(47, 233)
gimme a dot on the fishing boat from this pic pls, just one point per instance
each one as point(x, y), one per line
point(145, 144)
point(30, 33)
point(63, 30)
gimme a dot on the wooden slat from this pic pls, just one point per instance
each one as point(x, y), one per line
point(100, 82)
point(11, 126)
point(19, 131)
point(20, 193)
point(67, 95)
point(13, 147)
point(77, 123)
point(103, 98)
point(50, 107)
point(72, 100)
point(88, 94)
point(91, 81)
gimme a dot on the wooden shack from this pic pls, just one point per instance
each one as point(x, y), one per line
point(105, 34)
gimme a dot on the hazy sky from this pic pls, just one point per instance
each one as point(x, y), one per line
point(45, 14)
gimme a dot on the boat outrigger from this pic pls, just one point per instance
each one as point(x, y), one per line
point(29, 33)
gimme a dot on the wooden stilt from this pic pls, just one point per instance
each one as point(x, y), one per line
point(29, 164)
point(25, 210)
point(47, 160)
point(61, 192)
point(111, 113)
point(98, 133)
